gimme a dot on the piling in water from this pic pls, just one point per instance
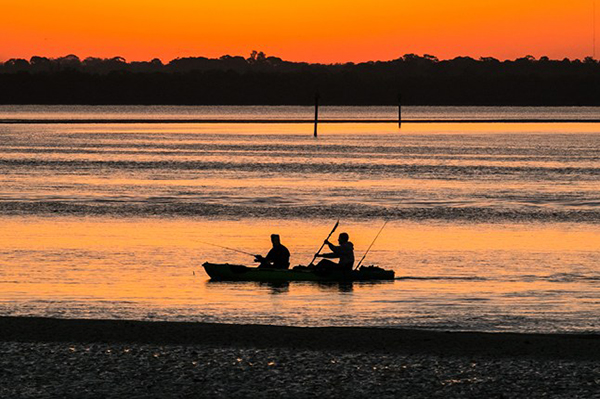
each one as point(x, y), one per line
point(316, 112)
point(399, 111)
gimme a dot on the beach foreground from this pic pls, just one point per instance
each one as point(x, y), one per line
point(115, 358)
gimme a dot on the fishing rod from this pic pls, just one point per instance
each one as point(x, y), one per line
point(230, 249)
point(322, 245)
point(368, 249)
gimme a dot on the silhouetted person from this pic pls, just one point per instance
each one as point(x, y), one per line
point(277, 258)
point(344, 252)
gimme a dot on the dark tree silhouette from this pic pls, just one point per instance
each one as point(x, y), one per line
point(262, 79)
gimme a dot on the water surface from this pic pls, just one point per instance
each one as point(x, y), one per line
point(493, 227)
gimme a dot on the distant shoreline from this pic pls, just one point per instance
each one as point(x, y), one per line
point(344, 339)
point(409, 80)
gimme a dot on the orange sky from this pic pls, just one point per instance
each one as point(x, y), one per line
point(308, 30)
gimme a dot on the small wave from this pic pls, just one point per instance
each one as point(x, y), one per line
point(356, 211)
point(435, 171)
point(569, 277)
point(444, 278)
point(553, 278)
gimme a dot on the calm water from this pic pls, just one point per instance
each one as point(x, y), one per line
point(71, 112)
point(493, 227)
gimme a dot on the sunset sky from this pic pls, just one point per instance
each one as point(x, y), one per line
point(310, 30)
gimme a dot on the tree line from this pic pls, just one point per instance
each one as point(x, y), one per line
point(261, 79)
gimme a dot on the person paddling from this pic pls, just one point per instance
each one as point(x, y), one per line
point(277, 258)
point(344, 252)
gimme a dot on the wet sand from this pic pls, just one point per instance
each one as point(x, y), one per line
point(349, 339)
point(109, 358)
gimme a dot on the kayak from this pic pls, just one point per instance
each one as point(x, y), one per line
point(227, 272)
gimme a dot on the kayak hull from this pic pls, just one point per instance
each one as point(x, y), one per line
point(228, 272)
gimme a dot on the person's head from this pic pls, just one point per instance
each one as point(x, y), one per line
point(275, 239)
point(343, 238)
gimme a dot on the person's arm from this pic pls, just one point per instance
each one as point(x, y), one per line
point(268, 258)
point(332, 255)
point(328, 256)
point(270, 255)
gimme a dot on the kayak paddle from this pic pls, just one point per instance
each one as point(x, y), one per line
point(322, 245)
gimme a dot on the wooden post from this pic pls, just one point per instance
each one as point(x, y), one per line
point(399, 111)
point(316, 111)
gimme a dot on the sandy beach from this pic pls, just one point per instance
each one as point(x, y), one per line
point(115, 358)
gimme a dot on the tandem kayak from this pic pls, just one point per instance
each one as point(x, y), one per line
point(227, 272)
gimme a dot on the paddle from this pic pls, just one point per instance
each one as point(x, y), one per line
point(322, 245)
point(368, 249)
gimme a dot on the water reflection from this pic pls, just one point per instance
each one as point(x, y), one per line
point(254, 286)
point(277, 288)
point(342, 287)
point(349, 286)
point(508, 204)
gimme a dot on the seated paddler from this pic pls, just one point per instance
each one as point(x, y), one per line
point(277, 258)
point(344, 252)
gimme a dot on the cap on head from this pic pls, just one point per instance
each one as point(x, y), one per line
point(275, 238)
point(344, 237)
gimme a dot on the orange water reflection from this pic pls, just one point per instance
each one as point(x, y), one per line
point(140, 268)
point(128, 262)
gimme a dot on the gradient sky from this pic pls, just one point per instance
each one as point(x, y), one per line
point(309, 30)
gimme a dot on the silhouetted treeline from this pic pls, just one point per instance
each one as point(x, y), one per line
point(422, 80)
